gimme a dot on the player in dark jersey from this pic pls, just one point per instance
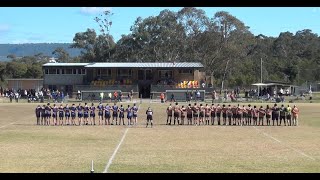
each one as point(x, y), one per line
point(100, 113)
point(73, 110)
point(218, 111)
point(115, 113)
point(275, 114)
point(92, 114)
point(245, 115)
point(107, 114)
point(189, 114)
point(288, 112)
point(262, 113)
point(121, 115)
point(149, 113)
point(169, 114)
point(283, 114)
point(213, 113)
point(43, 115)
point(48, 114)
point(61, 114)
point(55, 114)
point(80, 113)
point(38, 114)
point(129, 114)
point(135, 114)
point(224, 114)
point(67, 114)
point(183, 111)
point(85, 114)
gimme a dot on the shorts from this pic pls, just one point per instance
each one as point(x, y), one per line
point(201, 114)
point(229, 116)
point(129, 117)
point(107, 115)
point(195, 115)
point(92, 115)
point(85, 115)
point(275, 117)
point(255, 118)
point(268, 116)
point(249, 116)
point(134, 115)
point(282, 117)
point(176, 114)
point(224, 115)
point(239, 116)
point(183, 116)
point(121, 115)
point(100, 113)
point(218, 114)
point(207, 115)
point(189, 116)
point(54, 115)
point(149, 117)
point(213, 114)
point(234, 115)
point(80, 115)
point(289, 117)
point(245, 115)
point(115, 115)
point(60, 114)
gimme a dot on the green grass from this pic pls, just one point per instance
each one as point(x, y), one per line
point(25, 147)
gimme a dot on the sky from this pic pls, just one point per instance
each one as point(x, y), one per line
point(60, 24)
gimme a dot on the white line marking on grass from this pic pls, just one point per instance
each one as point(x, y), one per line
point(117, 148)
point(296, 150)
point(115, 152)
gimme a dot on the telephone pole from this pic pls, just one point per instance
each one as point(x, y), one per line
point(261, 70)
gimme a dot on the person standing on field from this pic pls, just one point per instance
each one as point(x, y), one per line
point(38, 114)
point(295, 114)
point(289, 112)
point(169, 114)
point(189, 114)
point(149, 113)
point(283, 115)
point(176, 114)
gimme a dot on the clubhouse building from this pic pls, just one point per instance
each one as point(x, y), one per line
point(139, 77)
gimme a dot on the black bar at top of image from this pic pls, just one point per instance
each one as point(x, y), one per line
point(159, 3)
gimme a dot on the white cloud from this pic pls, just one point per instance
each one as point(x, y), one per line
point(4, 27)
point(93, 10)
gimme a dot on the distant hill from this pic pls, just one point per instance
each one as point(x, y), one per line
point(33, 49)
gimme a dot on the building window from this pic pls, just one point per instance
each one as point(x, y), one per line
point(81, 71)
point(52, 71)
point(165, 74)
point(74, 71)
point(68, 71)
point(185, 71)
point(46, 71)
point(124, 73)
point(62, 71)
point(104, 72)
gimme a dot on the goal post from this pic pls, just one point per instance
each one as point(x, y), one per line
point(181, 95)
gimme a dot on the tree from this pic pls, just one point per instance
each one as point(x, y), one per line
point(16, 70)
point(63, 56)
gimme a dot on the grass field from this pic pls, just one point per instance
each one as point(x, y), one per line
point(25, 147)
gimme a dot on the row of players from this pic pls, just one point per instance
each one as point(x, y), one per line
point(49, 115)
point(236, 115)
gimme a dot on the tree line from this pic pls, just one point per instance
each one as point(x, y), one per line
point(230, 53)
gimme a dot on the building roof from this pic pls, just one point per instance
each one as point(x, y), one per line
point(24, 79)
point(131, 65)
point(64, 64)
